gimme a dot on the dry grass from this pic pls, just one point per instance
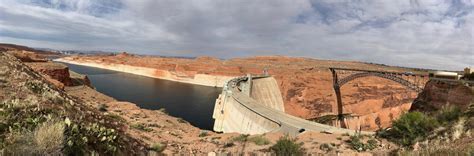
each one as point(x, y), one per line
point(49, 137)
point(46, 139)
point(458, 129)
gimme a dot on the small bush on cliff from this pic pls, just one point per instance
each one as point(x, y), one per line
point(35, 87)
point(49, 137)
point(449, 114)
point(259, 140)
point(78, 137)
point(203, 134)
point(158, 147)
point(102, 108)
point(326, 147)
point(181, 120)
point(241, 138)
point(470, 110)
point(141, 127)
point(287, 146)
point(410, 128)
point(357, 144)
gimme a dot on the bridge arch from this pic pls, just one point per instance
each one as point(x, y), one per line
point(392, 77)
point(359, 73)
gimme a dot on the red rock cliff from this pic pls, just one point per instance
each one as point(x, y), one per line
point(438, 94)
point(56, 71)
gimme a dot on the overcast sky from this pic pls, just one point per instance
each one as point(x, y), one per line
point(429, 34)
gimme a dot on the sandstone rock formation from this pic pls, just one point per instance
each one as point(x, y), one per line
point(437, 95)
point(306, 84)
point(56, 71)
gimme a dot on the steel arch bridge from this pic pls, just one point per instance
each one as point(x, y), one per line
point(414, 82)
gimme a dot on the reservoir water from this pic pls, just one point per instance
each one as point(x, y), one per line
point(193, 103)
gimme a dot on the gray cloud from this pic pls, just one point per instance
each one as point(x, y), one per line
point(430, 34)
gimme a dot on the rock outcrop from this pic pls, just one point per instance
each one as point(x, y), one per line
point(438, 94)
point(57, 71)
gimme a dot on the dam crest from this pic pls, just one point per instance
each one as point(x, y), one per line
point(254, 105)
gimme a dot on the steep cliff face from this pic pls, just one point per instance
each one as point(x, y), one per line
point(373, 102)
point(79, 79)
point(438, 94)
point(56, 71)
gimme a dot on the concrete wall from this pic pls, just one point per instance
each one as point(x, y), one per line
point(255, 106)
point(267, 93)
point(231, 116)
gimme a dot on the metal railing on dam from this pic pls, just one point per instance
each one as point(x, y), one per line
point(253, 105)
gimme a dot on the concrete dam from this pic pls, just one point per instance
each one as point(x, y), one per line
point(254, 105)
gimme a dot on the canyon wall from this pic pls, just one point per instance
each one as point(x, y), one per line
point(372, 102)
point(198, 79)
point(305, 84)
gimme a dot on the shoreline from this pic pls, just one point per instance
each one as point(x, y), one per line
point(198, 79)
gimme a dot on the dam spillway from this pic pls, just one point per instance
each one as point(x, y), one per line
point(231, 116)
point(254, 105)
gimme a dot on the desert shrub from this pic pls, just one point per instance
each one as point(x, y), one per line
point(141, 127)
point(470, 110)
point(409, 128)
point(102, 107)
point(81, 139)
point(154, 125)
point(259, 140)
point(287, 146)
point(158, 147)
point(241, 138)
point(35, 87)
point(203, 134)
point(45, 139)
point(448, 114)
point(163, 110)
point(372, 143)
point(18, 143)
point(49, 138)
point(228, 144)
point(357, 144)
point(116, 117)
point(181, 120)
point(326, 147)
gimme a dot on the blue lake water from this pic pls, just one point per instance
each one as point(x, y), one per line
point(193, 103)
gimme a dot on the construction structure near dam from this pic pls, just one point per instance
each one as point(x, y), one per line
point(254, 105)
